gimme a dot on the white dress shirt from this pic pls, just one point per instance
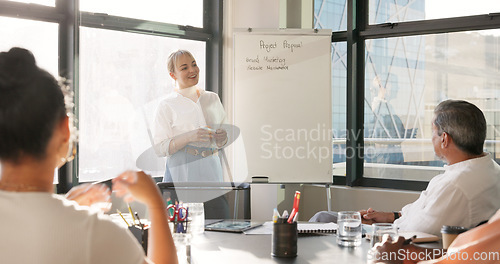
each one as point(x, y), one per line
point(467, 193)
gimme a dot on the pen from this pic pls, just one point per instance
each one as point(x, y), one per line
point(209, 129)
point(295, 210)
point(296, 217)
point(409, 240)
point(285, 214)
point(120, 213)
point(107, 182)
point(131, 214)
point(140, 224)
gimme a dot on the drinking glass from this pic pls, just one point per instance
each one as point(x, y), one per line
point(349, 228)
point(182, 243)
point(196, 218)
point(381, 229)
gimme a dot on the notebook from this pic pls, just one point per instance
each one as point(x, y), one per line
point(308, 228)
point(421, 236)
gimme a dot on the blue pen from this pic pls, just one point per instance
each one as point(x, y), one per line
point(180, 224)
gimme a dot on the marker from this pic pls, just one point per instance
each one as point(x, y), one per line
point(296, 200)
point(295, 210)
point(296, 217)
point(276, 215)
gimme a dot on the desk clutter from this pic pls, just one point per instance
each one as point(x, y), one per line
point(178, 216)
point(186, 221)
point(137, 226)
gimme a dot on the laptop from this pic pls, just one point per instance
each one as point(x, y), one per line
point(234, 226)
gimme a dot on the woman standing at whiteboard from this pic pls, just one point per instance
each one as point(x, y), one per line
point(187, 126)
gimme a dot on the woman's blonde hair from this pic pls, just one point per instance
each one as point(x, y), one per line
point(174, 56)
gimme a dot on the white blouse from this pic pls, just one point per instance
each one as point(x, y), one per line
point(178, 114)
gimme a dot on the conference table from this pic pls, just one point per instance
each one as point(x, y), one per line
point(224, 247)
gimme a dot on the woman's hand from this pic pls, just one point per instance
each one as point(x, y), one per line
point(387, 251)
point(89, 194)
point(201, 135)
point(220, 137)
point(396, 252)
point(132, 185)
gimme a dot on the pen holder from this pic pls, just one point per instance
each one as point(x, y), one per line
point(284, 244)
point(178, 226)
point(141, 235)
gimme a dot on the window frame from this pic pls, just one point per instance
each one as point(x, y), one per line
point(70, 19)
point(358, 31)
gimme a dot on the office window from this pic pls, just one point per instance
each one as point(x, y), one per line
point(38, 37)
point(339, 114)
point(185, 12)
point(39, 2)
point(405, 75)
point(123, 76)
point(382, 11)
point(406, 78)
point(330, 14)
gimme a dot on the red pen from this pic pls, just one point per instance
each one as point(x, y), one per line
point(295, 209)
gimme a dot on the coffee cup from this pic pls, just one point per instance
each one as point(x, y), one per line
point(449, 234)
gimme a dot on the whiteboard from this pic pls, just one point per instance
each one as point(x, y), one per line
point(282, 103)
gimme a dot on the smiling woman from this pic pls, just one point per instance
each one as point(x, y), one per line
point(188, 129)
point(182, 119)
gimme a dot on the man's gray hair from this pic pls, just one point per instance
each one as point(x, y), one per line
point(464, 123)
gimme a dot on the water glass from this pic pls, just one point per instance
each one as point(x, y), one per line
point(182, 243)
point(381, 229)
point(349, 228)
point(196, 218)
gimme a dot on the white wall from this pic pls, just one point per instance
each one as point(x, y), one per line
point(249, 14)
point(244, 14)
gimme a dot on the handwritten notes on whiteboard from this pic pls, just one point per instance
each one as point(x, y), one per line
point(282, 103)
